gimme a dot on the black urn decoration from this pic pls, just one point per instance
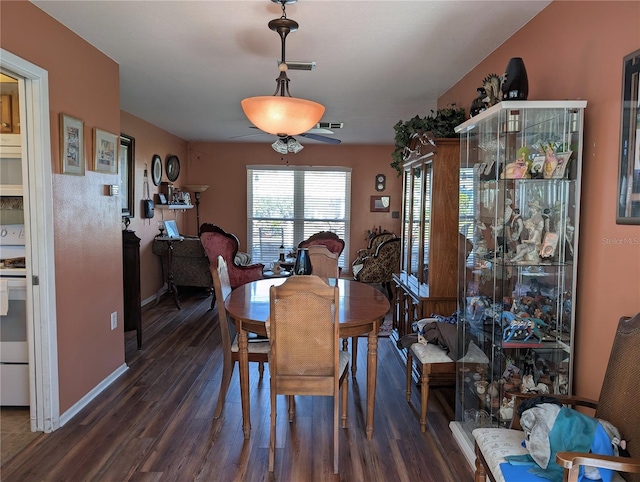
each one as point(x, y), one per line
point(303, 262)
point(515, 84)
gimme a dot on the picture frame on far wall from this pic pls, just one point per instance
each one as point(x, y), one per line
point(105, 151)
point(628, 205)
point(72, 145)
point(380, 204)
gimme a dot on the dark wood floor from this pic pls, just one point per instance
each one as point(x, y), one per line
point(155, 421)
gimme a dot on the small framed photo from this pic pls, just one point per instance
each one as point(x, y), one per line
point(162, 199)
point(171, 228)
point(72, 145)
point(105, 156)
point(380, 204)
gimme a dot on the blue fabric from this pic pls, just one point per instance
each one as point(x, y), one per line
point(522, 468)
point(519, 473)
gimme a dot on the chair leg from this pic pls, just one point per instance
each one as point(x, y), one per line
point(354, 355)
point(336, 409)
point(480, 475)
point(227, 371)
point(261, 369)
point(345, 399)
point(424, 397)
point(409, 370)
point(272, 431)
point(292, 408)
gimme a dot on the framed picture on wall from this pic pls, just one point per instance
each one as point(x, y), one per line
point(629, 165)
point(72, 145)
point(380, 204)
point(105, 151)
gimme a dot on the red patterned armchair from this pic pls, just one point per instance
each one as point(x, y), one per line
point(324, 238)
point(217, 242)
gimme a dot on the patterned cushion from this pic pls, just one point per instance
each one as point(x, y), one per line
point(496, 443)
point(430, 353)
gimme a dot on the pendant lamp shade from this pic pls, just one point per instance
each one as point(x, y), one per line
point(281, 115)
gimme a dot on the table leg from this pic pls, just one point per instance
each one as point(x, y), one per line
point(372, 372)
point(171, 286)
point(243, 362)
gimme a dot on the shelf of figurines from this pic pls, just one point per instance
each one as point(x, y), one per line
point(495, 398)
point(543, 160)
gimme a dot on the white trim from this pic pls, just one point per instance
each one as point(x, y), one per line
point(36, 151)
point(270, 167)
point(464, 443)
point(88, 398)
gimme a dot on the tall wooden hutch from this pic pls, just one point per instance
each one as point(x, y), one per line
point(427, 282)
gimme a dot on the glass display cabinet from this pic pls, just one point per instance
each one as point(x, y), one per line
point(517, 286)
point(427, 281)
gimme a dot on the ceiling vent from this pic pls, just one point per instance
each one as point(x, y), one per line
point(298, 65)
point(330, 125)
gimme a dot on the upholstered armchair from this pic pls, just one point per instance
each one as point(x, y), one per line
point(217, 242)
point(371, 248)
point(324, 238)
point(378, 267)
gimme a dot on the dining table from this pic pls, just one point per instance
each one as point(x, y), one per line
point(361, 309)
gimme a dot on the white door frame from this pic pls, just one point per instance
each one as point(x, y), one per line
point(41, 290)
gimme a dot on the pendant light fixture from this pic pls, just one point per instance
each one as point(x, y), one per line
point(280, 114)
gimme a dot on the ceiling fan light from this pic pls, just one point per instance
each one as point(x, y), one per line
point(280, 146)
point(282, 116)
point(294, 146)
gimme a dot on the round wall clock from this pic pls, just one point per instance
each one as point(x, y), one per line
point(381, 180)
point(173, 168)
point(156, 169)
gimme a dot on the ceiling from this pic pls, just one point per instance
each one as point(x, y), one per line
point(186, 65)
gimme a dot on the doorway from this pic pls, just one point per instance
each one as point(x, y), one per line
point(38, 226)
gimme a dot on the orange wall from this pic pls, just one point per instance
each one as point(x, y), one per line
point(83, 83)
point(223, 167)
point(574, 50)
point(150, 140)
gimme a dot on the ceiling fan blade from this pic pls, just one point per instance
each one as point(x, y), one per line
point(317, 137)
point(250, 135)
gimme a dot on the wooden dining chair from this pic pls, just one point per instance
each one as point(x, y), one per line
point(305, 357)
point(258, 350)
point(324, 263)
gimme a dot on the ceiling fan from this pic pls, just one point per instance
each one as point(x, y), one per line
point(286, 144)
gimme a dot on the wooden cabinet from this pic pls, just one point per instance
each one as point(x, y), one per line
point(427, 282)
point(131, 283)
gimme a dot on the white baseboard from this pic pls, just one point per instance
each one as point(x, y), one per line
point(84, 401)
point(464, 442)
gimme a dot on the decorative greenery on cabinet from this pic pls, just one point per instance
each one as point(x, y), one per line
point(441, 124)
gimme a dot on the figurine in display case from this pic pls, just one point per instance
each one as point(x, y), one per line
point(528, 250)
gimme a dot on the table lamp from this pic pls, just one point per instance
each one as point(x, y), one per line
point(197, 189)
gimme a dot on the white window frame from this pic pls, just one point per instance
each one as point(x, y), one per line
point(298, 219)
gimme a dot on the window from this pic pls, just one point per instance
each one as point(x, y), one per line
point(467, 203)
point(286, 205)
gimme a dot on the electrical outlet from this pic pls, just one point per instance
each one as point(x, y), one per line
point(114, 320)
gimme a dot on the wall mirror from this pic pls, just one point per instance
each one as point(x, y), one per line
point(127, 174)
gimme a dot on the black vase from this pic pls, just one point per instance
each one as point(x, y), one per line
point(515, 85)
point(303, 262)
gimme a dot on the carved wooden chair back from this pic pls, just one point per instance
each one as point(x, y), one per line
point(305, 356)
point(324, 263)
